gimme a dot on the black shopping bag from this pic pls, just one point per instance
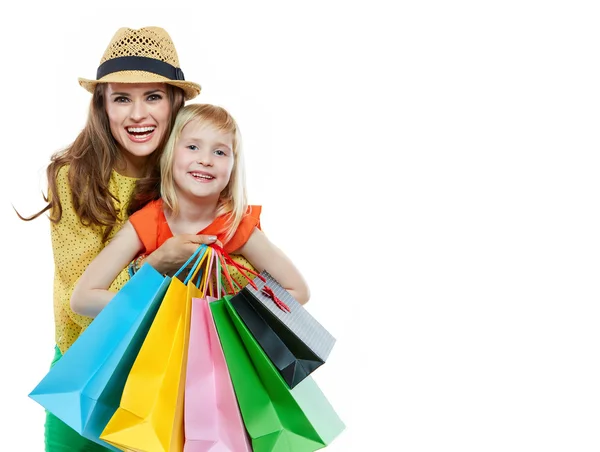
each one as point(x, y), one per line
point(294, 340)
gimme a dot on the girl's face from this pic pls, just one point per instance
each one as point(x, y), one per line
point(139, 116)
point(203, 160)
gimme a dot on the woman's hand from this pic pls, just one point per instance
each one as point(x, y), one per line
point(172, 254)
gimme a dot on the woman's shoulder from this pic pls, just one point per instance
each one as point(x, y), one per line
point(62, 186)
point(122, 186)
point(62, 174)
point(121, 178)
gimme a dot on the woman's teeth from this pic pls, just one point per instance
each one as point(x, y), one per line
point(140, 131)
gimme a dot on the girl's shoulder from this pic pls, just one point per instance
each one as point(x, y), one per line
point(249, 222)
point(149, 225)
point(250, 218)
point(150, 210)
point(253, 212)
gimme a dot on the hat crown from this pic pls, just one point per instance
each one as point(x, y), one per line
point(149, 42)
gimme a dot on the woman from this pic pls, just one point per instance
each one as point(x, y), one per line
point(138, 90)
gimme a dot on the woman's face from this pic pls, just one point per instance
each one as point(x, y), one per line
point(139, 116)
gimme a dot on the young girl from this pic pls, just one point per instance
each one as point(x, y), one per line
point(202, 190)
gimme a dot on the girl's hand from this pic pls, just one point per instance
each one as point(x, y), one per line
point(172, 254)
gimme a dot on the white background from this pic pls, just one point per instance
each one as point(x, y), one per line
point(433, 170)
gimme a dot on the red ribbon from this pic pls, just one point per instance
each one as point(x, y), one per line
point(280, 304)
point(266, 290)
point(239, 267)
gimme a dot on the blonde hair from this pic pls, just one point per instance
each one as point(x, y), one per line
point(233, 198)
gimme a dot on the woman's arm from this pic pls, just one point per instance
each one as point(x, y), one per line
point(264, 255)
point(91, 292)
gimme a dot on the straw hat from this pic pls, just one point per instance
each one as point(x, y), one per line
point(146, 55)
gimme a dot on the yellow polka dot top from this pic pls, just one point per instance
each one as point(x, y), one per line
point(74, 246)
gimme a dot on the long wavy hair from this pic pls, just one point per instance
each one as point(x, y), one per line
point(91, 158)
point(233, 198)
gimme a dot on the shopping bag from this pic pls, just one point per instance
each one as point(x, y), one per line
point(84, 387)
point(292, 338)
point(212, 419)
point(276, 417)
point(212, 416)
point(150, 414)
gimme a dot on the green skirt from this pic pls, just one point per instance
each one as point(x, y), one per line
point(59, 437)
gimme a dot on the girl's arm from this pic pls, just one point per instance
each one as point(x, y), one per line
point(91, 292)
point(264, 255)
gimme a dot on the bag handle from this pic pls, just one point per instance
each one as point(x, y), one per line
point(192, 257)
point(205, 284)
point(197, 266)
point(202, 269)
point(225, 273)
point(218, 275)
point(199, 255)
point(240, 268)
point(266, 290)
point(205, 281)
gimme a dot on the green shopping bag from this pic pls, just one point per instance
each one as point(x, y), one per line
point(277, 418)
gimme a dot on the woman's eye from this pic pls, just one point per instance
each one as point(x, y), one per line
point(154, 97)
point(121, 99)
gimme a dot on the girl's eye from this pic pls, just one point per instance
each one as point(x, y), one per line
point(154, 97)
point(193, 147)
point(219, 152)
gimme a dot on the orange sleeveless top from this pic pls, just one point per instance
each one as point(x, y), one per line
point(153, 230)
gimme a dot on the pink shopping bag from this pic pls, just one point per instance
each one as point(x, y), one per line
point(212, 419)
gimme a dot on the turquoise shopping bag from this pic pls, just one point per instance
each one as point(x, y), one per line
point(84, 388)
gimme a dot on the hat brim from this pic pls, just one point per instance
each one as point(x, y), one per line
point(190, 89)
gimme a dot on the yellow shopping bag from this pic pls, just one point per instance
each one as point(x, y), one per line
point(150, 414)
